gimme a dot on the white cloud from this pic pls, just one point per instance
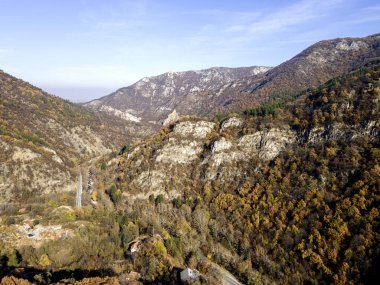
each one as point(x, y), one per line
point(115, 24)
point(285, 18)
point(121, 24)
point(364, 15)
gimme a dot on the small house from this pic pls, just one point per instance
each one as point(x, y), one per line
point(189, 274)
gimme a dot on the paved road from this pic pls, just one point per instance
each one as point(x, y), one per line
point(226, 277)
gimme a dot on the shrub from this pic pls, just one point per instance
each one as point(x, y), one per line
point(14, 259)
point(124, 149)
point(115, 194)
point(10, 221)
point(159, 199)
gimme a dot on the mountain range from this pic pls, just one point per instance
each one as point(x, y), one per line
point(309, 69)
point(153, 98)
point(222, 90)
point(276, 199)
point(261, 176)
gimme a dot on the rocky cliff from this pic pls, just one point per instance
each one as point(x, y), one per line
point(300, 185)
point(153, 98)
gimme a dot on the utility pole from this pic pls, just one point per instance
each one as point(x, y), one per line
point(79, 192)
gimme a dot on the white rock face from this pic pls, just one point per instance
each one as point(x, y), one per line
point(356, 45)
point(180, 152)
point(249, 142)
point(316, 57)
point(197, 130)
point(55, 156)
point(32, 169)
point(124, 115)
point(267, 144)
point(24, 154)
point(172, 118)
point(227, 157)
point(183, 149)
point(221, 145)
point(316, 134)
point(341, 131)
point(154, 181)
point(275, 141)
point(230, 123)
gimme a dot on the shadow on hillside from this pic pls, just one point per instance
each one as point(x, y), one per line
point(46, 276)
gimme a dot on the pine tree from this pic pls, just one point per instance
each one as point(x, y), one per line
point(89, 181)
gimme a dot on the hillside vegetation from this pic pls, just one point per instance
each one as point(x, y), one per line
point(43, 138)
point(312, 67)
point(287, 196)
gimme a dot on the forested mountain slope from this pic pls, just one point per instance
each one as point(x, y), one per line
point(43, 138)
point(280, 195)
point(291, 197)
point(310, 68)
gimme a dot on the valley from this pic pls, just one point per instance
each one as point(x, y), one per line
point(260, 175)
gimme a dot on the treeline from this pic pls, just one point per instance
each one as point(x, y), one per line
point(309, 216)
point(276, 101)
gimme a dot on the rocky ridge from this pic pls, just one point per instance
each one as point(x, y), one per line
point(222, 90)
point(300, 186)
point(221, 154)
point(217, 152)
point(154, 98)
point(309, 69)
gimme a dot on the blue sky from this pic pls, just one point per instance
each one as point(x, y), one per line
point(84, 49)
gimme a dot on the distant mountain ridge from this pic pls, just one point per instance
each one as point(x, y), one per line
point(153, 98)
point(222, 90)
point(310, 68)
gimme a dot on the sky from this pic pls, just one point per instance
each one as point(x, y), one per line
point(84, 49)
